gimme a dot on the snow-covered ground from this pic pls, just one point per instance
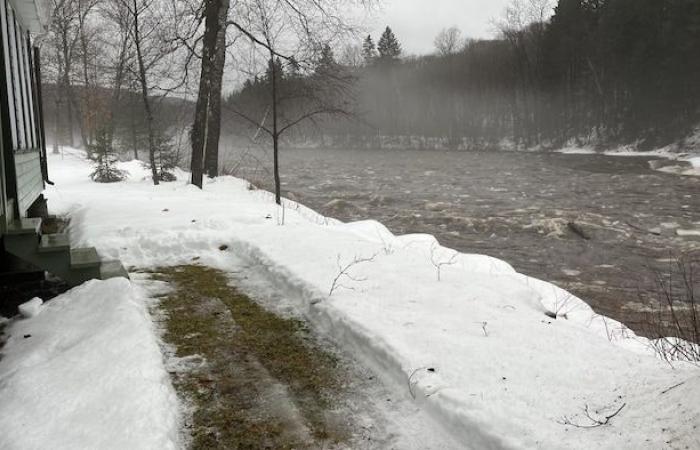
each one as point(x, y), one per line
point(86, 373)
point(686, 153)
point(465, 335)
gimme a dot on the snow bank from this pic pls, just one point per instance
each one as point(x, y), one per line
point(31, 308)
point(686, 153)
point(86, 373)
point(465, 335)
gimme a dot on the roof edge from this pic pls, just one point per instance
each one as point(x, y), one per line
point(33, 14)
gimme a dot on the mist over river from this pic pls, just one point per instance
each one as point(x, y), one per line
point(599, 226)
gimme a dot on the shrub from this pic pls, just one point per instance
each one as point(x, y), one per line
point(676, 326)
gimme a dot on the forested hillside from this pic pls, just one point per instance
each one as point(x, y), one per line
point(599, 71)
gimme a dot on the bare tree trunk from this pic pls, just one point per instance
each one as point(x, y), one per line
point(144, 95)
point(214, 115)
point(82, 38)
point(119, 75)
point(68, 94)
point(134, 137)
point(57, 126)
point(275, 132)
point(86, 129)
point(57, 141)
point(207, 122)
point(71, 101)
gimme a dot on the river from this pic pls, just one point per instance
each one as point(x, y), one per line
point(627, 219)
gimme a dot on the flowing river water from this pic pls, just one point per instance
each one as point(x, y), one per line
point(628, 220)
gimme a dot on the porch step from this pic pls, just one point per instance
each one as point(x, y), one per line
point(84, 258)
point(112, 269)
point(54, 243)
point(24, 226)
point(53, 253)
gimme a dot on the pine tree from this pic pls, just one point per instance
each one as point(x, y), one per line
point(166, 159)
point(278, 67)
point(105, 157)
point(294, 68)
point(369, 50)
point(326, 64)
point(389, 47)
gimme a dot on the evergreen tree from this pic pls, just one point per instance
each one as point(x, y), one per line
point(105, 157)
point(369, 50)
point(279, 70)
point(294, 68)
point(389, 47)
point(166, 159)
point(326, 64)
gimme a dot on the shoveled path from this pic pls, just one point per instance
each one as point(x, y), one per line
point(257, 379)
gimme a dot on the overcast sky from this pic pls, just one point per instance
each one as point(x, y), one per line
point(416, 22)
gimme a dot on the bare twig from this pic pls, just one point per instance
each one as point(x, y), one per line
point(344, 273)
point(666, 391)
point(412, 383)
point(595, 422)
point(677, 321)
point(440, 263)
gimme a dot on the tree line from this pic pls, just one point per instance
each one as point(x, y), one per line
point(120, 71)
point(596, 71)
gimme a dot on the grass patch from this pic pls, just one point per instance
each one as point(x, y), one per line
point(205, 316)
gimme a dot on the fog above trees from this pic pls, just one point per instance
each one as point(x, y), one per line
point(598, 71)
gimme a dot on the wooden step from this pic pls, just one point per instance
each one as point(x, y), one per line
point(84, 258)
point(24, 226)
point(54, 243)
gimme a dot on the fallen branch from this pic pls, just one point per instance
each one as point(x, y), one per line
point(595, 422)
point(666, 391)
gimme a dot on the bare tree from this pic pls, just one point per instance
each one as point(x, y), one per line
point(118, 14)
point(448, 41)
point(207, 123)
point(86, 34)
point(155, 60)
point(138, 9)
point(523, 27)
point(307, 22)
point(351, 56)
point(64, 40)
point(299, 39)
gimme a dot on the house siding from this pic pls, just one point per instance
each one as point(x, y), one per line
point(23, 146)
point(30, 183)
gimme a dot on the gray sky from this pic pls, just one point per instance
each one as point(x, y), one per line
point(416, 22)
